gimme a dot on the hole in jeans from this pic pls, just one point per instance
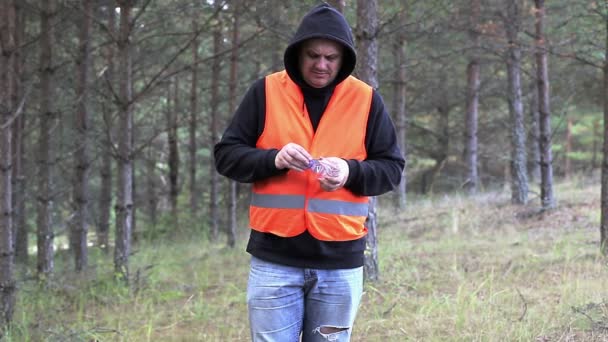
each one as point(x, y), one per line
point(329, 332)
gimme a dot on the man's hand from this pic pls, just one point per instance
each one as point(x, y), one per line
point(292, 156)
point(334, 180)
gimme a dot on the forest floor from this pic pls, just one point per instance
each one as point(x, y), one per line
point(452, 268)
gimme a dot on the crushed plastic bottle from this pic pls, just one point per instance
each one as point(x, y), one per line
point(322, 168)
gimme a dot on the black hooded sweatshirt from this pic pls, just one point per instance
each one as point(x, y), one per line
point(237, 157)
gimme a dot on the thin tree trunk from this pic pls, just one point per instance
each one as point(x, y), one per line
point(399, 106)
point(20, 224)
point(472, 102)
point(604, 195)
point(542, 74)
point(7, 108)
point(173, 155)
point(534, 144)
point(192, 145)
point(81, 122)
point(338, 4)
point(213, 180)
point(151, 192)
point(367, 46)
point(519, 170)
point(124, 203)
point(597, 136)
point(568, 152)
point(45, 160)
point(105, 194)
point(234, 60)
point(444, 136)
point(134, 236)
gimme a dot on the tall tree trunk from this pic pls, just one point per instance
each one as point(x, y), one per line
point(604, 195)
point(233, 83)
point(20, 223)
point(276, 11)
point(81, 122)
point(542, 74)
point(106, 187)
point(367, 46)
point(568, 152)
point(519, 170)
point(441, 156)
point(338, 4)
point(399, 105)
point(124, 203)
point(151, 192)
point(193, 122)
point(45, 160)
point(7, 110)
point(596, 143)
point(215, 101)
point(472, 101)
point(534, 136)
point(173, 155)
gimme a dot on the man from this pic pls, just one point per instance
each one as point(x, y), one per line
point(308, 235)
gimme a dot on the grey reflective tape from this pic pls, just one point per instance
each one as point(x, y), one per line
point(277, 201)
point(338, 207)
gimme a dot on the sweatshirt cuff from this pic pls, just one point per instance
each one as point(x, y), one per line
point(270, 165)
point(353, 169)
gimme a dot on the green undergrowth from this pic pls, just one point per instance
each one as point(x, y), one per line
point(453, 268)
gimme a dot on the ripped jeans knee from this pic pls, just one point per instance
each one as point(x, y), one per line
point(331, 333)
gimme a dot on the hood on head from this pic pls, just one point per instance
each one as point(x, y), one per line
point(323, 21)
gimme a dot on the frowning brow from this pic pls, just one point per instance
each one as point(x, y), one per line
point(312, 53)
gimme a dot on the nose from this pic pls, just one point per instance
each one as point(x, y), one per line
point(322, 63)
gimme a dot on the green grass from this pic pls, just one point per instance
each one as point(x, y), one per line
point(452, 269)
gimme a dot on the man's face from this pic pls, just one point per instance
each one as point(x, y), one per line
point(320, 60)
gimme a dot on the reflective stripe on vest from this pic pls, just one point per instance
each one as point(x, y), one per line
point(289, 204)
point(314, 205)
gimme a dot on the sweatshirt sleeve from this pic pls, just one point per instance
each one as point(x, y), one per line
point(236, 156)
point(381, 171)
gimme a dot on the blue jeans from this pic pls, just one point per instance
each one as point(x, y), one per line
point(286, 301)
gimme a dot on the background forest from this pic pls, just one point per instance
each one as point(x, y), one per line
point(110, 110)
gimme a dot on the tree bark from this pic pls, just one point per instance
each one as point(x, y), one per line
point(597, 136)
point(79, 226)
point(213, 179)
point(7, 108)
point(45, 160)
point(106, 187)
point(471, 184)
point(173, 155)
point(604, 195)
point(519, 170)
point(151, 192)
point(542, 74)
point(534, 136)
point(367, 42)
point(399, 105)
point(193, 123)
point(233, 83)
point(20, 223)
point(568, 152)
point(338, 4)
point(124, 203)
point(276, 12)
point(367, 46)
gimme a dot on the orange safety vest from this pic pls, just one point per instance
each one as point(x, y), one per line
point(291, 203)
